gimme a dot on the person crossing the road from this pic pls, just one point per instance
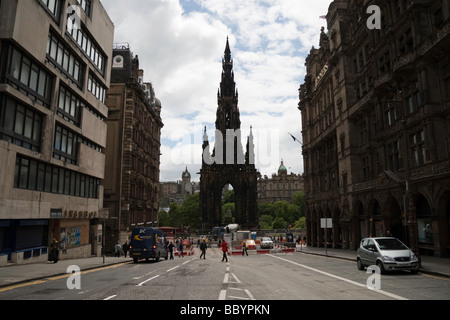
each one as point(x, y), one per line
point(203, 249)
point(224, 246)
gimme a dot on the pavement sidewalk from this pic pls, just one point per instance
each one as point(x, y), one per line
point(430, 264)
point(14, 274)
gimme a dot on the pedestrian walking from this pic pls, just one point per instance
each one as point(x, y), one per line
point(171, 246)
point(54, 251)
point(180, 249)
point(203, 249)
point(224, 246)
point(244, 249)
point(117, 249)
point(125, 248)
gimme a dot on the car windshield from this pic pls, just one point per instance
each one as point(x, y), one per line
point(391, 244)
point(266, 239)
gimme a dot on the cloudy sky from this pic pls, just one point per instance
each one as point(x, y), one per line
point(181, 43)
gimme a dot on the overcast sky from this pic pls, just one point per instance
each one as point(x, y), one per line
point(181, 43)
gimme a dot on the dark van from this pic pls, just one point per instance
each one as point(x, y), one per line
point(148, 243)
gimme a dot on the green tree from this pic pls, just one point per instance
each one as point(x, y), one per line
point(279, 223)
point(300, 223)
point(265, 221)
point(188, 211)
point(229, 197)
point(163, 218)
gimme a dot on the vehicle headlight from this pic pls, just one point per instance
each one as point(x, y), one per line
point(387, 258)
point(414, 257)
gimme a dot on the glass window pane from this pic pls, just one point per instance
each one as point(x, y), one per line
point(9, 115)
point(29, 121)
point(32, 184)
point(42, 83)
point(25, 74)
point(48, 179)
point(37, 128)
point(34, 78)
point(53, 49)
point(40, 177)
point(20, 119)
point(24, 165)
point(58, 139)
point(15, 64)
point(61, 181)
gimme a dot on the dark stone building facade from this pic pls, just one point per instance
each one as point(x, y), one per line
point(375, 109)
point(228, 164)
point(133, 153)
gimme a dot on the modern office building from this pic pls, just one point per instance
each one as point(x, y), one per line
point(55, 58)
point(375, 110)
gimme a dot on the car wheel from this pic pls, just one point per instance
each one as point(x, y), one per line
point(359, 264)
point(381, 266)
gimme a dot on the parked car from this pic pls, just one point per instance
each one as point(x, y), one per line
point(266, 243)
point(250, 244)
point(387, 253)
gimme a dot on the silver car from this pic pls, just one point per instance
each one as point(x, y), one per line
point(388, 254)
point(266, 242)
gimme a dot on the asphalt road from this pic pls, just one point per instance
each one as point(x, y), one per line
point(266, 277)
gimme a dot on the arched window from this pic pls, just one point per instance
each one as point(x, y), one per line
point(424, 222)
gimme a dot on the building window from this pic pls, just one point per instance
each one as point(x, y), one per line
point(69, 106)
point(395, 161)
point(96, 88)
point(391, 114)
point(86, 5)
point(20, 125)
point(418, 150)
point(66, 145)
point(53, 7)
point(89, 47)
point(59, 55)
point(38, 176)
point(413, 97)
point(28, 77)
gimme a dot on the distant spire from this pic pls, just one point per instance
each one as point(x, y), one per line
point(205, 136)
point(227, 52)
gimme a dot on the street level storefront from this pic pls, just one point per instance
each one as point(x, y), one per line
point(424, 225)
point(24, 239)
point(28, 241)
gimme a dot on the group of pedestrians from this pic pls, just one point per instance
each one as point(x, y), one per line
point(118, 248)
point(223, 246)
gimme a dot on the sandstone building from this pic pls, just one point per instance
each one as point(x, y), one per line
point(375, 108)
point(279, 187)
point(133, 149)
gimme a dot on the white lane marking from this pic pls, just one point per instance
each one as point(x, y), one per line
point(223, 294)
point(140, 284)
point(172, 268)
point(235, 278)
point(110, 297)
point(340, 278)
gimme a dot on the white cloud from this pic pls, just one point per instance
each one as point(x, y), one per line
point(180, 44)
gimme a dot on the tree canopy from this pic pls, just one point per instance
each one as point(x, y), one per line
point(276, 215)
